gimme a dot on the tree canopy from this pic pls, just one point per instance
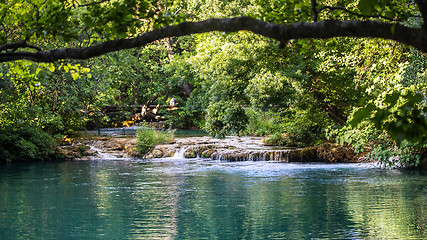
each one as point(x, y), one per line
point(27, 25)
point(299, 72)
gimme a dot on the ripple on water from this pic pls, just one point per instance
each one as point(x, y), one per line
point(206, 199)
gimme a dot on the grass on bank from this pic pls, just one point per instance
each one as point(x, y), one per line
point(147, 139)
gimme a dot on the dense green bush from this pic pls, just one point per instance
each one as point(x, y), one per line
point(28, 143)
point(300, 129)
point(148, 138)
point(379, 146)
point(22, 134)
point(390, 155)
point(226, 117)
point(261, 123)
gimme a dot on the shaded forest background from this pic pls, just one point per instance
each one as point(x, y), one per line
point(367, 93)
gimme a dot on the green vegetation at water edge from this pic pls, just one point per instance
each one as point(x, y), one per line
point(147, 139)
point(369, 93)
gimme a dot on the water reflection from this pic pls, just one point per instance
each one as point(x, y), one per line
point(200, 199)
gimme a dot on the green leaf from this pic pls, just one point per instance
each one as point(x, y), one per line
point(379, 117)
point(366, 7)
point(392, 98)
point(361, 114)
point(414, 98)
point(51, 68)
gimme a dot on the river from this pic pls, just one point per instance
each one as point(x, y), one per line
point(176, 198)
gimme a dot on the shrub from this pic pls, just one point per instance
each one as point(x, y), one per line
point(390, 155)
point(147, 139)
point(26, 144)
point(22, 133)
point(379, 146)
point(299, 129)
point(261, 123)
point(225, 117)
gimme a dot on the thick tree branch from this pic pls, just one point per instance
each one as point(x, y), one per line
point(283, 33)
point(12, 47)
point(314, 10)
point(422, 6)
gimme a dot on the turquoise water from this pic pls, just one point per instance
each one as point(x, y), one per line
point(201, 199)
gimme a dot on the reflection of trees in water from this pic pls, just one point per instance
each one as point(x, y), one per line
point(298, 206)
point(389, 207)
point(143, 203)
point(192, 199)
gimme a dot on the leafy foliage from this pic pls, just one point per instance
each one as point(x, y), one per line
point(225, 117)
point(22, 134)
point(370, 93)
point(148, 138)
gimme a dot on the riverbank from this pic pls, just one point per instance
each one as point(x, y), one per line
point(228, 149)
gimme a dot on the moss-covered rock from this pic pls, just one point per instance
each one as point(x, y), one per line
point(333, 152)
point(208, 153)
point(308, 154)
point(75, 151)
point(201, 148)
point(156, 153)
point(167, 150)
point(190, 153)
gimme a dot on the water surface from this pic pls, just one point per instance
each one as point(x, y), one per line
point(203, 199)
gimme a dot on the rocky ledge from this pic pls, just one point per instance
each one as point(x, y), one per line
point(97, 148)
point(228, 149)
point(252, 149)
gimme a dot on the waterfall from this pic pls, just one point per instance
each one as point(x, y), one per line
point(104, 155)
point(252, 155)
point(180, 153)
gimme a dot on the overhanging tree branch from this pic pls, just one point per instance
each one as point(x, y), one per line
point(12, 47)
point(422, 6)
point(283, 33)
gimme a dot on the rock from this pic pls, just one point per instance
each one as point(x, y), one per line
point(167, 150)
point(333, 152)
point(156, 153)
point(203, 148)
point(130, 149)
point(66, 141)
point(113, 145)
point(72, 152)
point(169, 153)
point(90, 152)
point(207, 153)
point(190, 153)
point(308, 154)
point(64, 152)
point(229, 149)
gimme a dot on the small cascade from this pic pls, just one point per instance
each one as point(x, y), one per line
point(270, 155)
point(180, 153)
point(252, 155)
point(104, 155)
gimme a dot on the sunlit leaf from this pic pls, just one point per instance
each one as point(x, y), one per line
point(51, 68)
